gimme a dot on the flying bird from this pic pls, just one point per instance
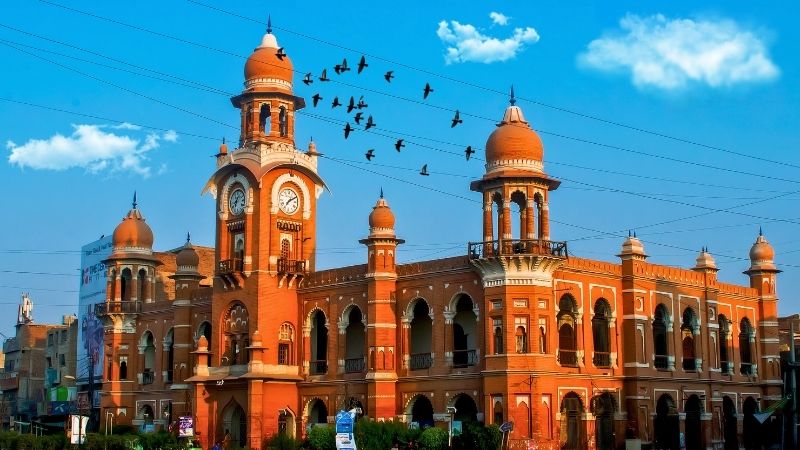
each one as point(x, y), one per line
point(341, 68)
point(469, 151)
point(335, 102)
point(280, 54)
point(316, 99)
point(388, 76)
point(308, 80)
point(424, 171)
point(352, 105)
point(324, 76)
point(370, 154)
point(399, 144)
point(359, 117)
point(361, 103)
point(370, 123)
point(427, 91)
point(362, 64)
point(347, 130)
point(456, 120)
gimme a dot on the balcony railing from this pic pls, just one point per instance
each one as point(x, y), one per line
point(354, 365)
point(747, 369)
point(602, 359)
point(420, 361)
point(661, 362)
point(291, 266)
point(117, 308)
point(227, 266)
point(465, 358)
point(148, 377)
point(568, 358)
point(319, 367)
point(509, 247)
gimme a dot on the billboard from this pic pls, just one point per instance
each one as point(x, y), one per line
point(92, 291)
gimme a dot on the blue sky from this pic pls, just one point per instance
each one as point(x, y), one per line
point(724, 75)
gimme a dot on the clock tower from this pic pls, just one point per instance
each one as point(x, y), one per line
point(266, 191)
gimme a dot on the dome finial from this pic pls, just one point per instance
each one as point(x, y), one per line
point(381, 192)
point(512, 100)
point(759, 231)
point(269, 24)
point(188, 238)
point(134, 200)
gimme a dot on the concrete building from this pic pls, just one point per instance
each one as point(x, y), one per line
point(251, 339)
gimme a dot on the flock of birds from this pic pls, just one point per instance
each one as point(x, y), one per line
point(360, 104)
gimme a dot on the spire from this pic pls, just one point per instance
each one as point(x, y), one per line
point(381, 192)
point(512, 100)
point(759, 231)
point(269, 24)
point(134, 200)
point(223, 139)
point(188, 238)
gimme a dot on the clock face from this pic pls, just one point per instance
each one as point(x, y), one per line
point(236, 202)
point(288, 201)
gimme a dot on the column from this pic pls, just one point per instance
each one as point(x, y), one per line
point(580, 347)
point(544, 222)
point(448, 337)
point(506, 229)
point(530, 228)
point(487, 217)
point(306, 351)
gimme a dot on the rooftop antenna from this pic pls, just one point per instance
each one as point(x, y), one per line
point(512, 100)
point(269, 24)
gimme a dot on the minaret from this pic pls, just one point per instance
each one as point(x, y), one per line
point(763, 274)
point(381, 335)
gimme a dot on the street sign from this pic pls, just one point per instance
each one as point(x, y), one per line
point(506, 427)
point(344, 422)
point(344, 430)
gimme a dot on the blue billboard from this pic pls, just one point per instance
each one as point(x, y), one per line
point(92, 291)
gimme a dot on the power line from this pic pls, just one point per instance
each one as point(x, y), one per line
point(24, 272)
point(496, 91)
point(25, 288)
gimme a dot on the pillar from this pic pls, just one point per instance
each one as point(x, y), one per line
point(544, 220)
point(530, 228)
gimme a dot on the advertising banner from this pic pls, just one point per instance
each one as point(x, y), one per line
point(92, 291)
point(186, 426)
point(78, 429)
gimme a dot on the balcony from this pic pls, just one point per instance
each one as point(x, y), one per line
point(117, 308)
point(291, 266)
point(354, 365)
point(148, 377)
point(602, 359)
point(420, 361)
point(568, 358)
point(748, 369)
point(513, 247)
point(319, 367)
point(661, 362)
point(465, 358)
point(228, 266)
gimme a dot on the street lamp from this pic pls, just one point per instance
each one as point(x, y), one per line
point(109, 418)
point(451, 410)
point(80, 416)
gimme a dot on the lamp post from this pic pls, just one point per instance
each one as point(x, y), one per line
point(80, 416)
point(451, 410)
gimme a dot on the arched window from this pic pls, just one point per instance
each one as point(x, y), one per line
point(318, 412)
point(724, 333)
point(688, 328)
point(746, 335)
point(603, 409)
point(518, 223)
point(422, 412)
point(497, 416)
point(572, 430)
point(465, 331)
point(521, 338)
point(142, 292)
point(355, 341)
point(730, 432)
point(466, 409)
point(123, 368)
point(283, 119)
point(286, 344)
point(148, 349)
point(567, 322)
point(660, 337)
point(169, 346)
point(204, 330)
point(667, 424)
point(236, 326)
point(694, 436)
point(497, 335)
point(319, 344)
point(421, 335)
point(751, 426)
point(264, 121)
point(248, 119)
point(600, 333)
point(113, 289)
point(126, 281)
point(542, 336)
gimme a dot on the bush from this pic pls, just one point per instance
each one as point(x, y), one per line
point(433, 439)
point(322, 438)
point(371, 435)
point(475, 435)
point(282, 441)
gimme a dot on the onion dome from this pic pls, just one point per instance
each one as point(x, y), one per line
point(705, 261)
point(187, 258)
point(381, 219)
point(223, 148)
point(632, 248)
point(762, 255)
point(514, 144)
point(133, 232)
point(268, 66)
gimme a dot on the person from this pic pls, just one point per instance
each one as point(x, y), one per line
point(226, 441)
point(217, 446)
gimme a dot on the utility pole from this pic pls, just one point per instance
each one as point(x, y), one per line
point(793, 382)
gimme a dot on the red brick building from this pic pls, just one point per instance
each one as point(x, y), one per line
point(574, 351)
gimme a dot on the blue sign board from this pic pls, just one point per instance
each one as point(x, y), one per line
point(344, 422)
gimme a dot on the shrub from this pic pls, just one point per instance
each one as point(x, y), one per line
point(322, 438)
point(282, 441)
point(475, 435)
point(433, 439)
point(371, 435)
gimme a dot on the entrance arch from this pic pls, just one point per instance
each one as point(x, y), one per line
point(234, 423)
point(667, 427)
point(730, 428)
point(466, 409)
point(603, 409)
point(421, 411)
point(694, 436)
point(573, 435)
point(750, 425)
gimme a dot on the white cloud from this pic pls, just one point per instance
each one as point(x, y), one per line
point(672, 54)
point(90, 148)
point(499, 18)
point(126, 126)
point(466, 44)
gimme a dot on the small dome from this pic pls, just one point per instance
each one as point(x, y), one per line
point(264, 67)
point(632, 247)
point(133, 231)
point(381, 217)
point(202, 344)
point(223, 148)
point(187, 257)
point(513, 142)
point(761, 251)
point(705, 260)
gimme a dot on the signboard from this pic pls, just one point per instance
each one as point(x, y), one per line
point(344, 422)
point(344, 430)
point(185, 426)
point(506, 427)
point(92, 291)
point(78, 429)
point(457, 428)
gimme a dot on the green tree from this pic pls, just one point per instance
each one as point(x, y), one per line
point(322, 438)
point(433, 439)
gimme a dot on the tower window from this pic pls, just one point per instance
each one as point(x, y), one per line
point(264, 120)
point(283, 121)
